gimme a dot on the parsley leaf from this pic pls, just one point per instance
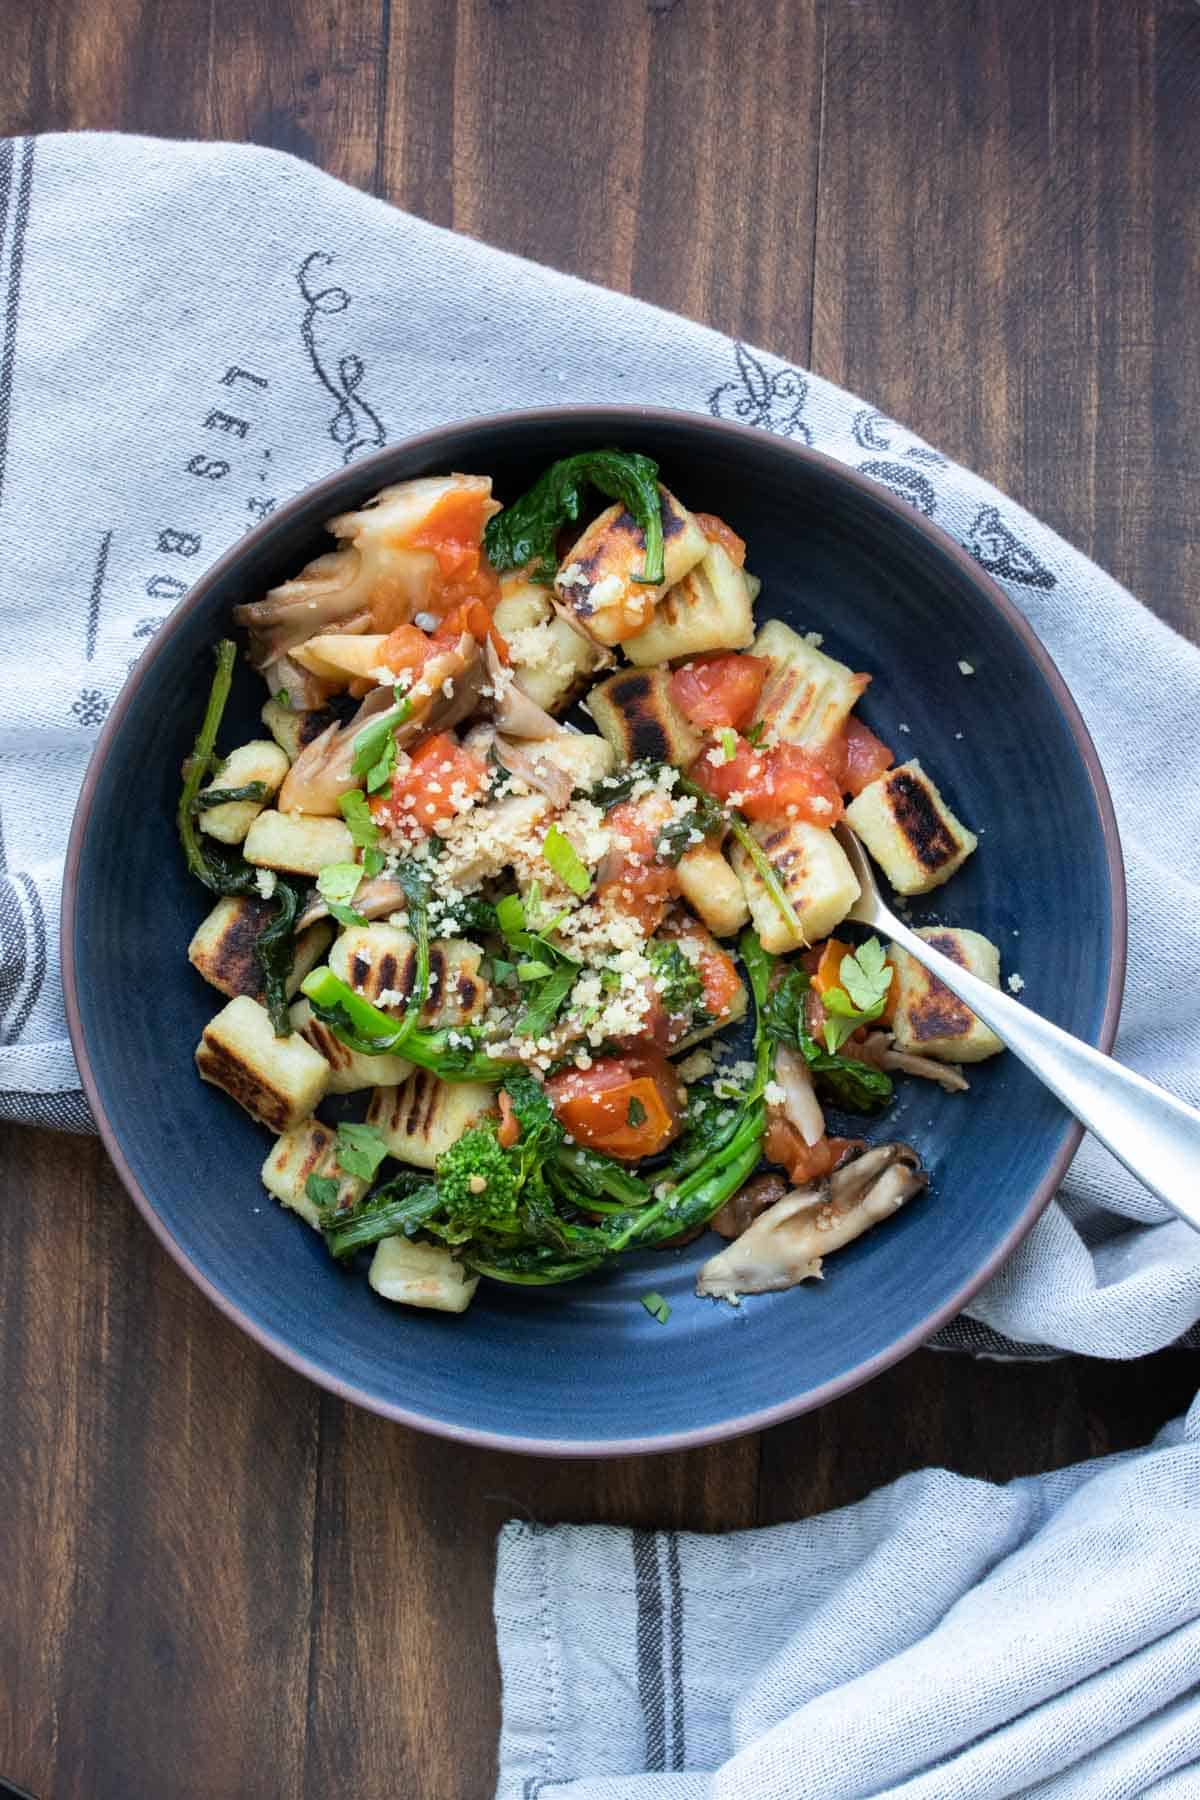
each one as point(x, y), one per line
point(375, 747)
point(657, 1307)
point(565, 860)
point(337, 884)
point(364, 832)
point(635, 1112)
point(322, 1190)
point(360, 1150)
point(866, 977)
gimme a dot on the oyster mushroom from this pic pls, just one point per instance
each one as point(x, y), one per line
point(788, 1243)
point(373, 899)
point(800, 1106)
point(446, 693)
point(877, 1049)
point(740, 1212)
point(514, 712)
point(379, 577)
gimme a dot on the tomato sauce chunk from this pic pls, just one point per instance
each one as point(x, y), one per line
point(781, 783)
point(626, 1107)
point(440, 773)
point(719, 690)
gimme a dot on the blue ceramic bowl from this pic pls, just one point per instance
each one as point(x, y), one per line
point(584, 1369)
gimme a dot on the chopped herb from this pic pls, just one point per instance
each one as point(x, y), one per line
point(849, 1083)
point(322, 1190)
point(510, 914)
point(282, 697)
point(544, 1009)
point(657, 1307)
point(364, 832)
point(564, 859)
point(728, 740)
point(337, 884)
point(532, 971)
point(677, 835)
point(866, 976)
point(375, 747)
point(525, 532)
point(755, 734)
point(360, 1150)
point(374, 861)
point(635, 1112)
point(676, 979)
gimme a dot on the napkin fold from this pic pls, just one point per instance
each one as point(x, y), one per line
point(943, 1639)
point(194, 332)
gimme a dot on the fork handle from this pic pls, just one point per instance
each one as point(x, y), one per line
point(1156, 1136)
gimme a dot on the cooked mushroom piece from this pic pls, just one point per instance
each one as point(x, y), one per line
point(514, 712)
point(374, 899)
point(523, 762)
point(877, 1049)
point(788, 1243)
point(740, 1212)
point(380, 577)
point(446, 693)
point(800, 1105)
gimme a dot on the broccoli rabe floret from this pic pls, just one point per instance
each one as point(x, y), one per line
point(479, 1186)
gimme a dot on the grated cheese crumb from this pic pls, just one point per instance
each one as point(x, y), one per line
point(965, 668)
point(1015, 984)
point(264, 881)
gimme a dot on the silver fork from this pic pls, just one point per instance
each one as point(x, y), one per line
point(1156, 1136)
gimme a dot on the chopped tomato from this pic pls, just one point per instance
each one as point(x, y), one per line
point(768, 784)
point(828, 972)
point(458, 518)
point(719, 988)
point(510, 1126)
point(719, 690)
point(623, 1106)
point(720, 983)
point(631, 879)
point(855, 757)
point(439, 772)
point(785, 1145)
point(408, 648)
point(453, 531)
point(866, 757)
point(656, 1026)
point(718, 532)
point(473, 618)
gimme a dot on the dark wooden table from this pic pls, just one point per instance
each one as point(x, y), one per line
point(216, 1581)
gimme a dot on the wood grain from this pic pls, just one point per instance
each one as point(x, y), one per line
point(980, 215)
point(1005, 247)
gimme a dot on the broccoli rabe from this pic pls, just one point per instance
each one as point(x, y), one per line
point(479, 1187)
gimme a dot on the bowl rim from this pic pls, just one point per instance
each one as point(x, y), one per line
point(645, 418)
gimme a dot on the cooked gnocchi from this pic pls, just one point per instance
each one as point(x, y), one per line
point(525, 943)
